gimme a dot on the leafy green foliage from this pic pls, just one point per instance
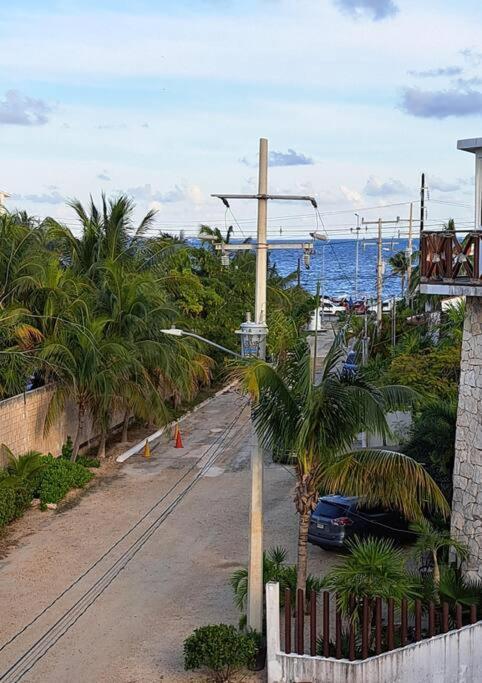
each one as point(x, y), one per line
point(373, 568)
point(59, 477)
point(13, 502)
point(219, 648)
point(432, 441)
point(86, 461)
point(67, 449)
point(24, 470)
point(275, 568)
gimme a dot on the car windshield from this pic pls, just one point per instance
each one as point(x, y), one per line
point(331, 509)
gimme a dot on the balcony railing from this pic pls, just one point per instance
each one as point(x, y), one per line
point(450, 257)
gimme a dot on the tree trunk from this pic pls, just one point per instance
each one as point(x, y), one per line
point(304, 522)
point(436, 570)
point(78, 436)
point(101, 448)
point(125, 426)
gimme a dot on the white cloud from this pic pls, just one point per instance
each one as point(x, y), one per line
point(377, 188)
point(20, 110)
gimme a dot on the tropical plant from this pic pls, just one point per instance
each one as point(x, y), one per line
point(399, 264)
point(432, 440)
point(319, 424)
point(431, 541)
point(221, 649)
point(275, 568)
point(23, 470)
point(372, 568)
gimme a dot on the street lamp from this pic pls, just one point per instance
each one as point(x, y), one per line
point(176, 332)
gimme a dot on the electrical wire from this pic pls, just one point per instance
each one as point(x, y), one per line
point(214, 445)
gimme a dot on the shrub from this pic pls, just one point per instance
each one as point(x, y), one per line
point(59, 477)
point(88, 462)
point(221, 649)
point(67, 449)
point(7, 505)
point(13, 502)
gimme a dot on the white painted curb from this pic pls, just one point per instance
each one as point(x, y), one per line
point(156, 435)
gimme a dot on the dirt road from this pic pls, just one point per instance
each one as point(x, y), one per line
point(132, 629)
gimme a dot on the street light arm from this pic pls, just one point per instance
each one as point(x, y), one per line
point(176, 332)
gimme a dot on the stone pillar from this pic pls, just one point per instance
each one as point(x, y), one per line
point(467, 498)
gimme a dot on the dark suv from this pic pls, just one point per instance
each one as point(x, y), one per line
point(338, 518)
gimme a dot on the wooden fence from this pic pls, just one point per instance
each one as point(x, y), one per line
point(376, 625)
point(444, 256)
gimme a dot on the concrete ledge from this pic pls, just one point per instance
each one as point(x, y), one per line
point(156, 435)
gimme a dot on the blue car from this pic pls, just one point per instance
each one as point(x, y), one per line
point(336, 519)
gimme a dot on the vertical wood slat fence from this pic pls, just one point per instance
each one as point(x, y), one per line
point(380, 625)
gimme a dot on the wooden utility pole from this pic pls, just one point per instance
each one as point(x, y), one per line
point(380, 223)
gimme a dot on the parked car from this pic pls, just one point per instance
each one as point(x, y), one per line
point(338, 518)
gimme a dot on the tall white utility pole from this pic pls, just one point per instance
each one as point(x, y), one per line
point(380, 223)
point(255, 561)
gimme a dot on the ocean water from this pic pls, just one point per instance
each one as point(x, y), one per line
point(339, 266)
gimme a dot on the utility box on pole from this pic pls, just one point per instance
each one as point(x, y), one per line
point(253, 339)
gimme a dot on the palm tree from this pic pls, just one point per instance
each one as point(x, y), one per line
point(434, 541)
point(87, 365)
point(399, 264)
point(449, 225)
point(373, 568)
point(319, 424)
point(107, 233)
point(206, 233)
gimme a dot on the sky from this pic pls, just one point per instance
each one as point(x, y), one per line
point(166, 100)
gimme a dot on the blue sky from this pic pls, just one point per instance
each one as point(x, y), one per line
point(166, 100)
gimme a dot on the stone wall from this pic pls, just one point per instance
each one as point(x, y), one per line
point(22, 421)
point(467, 500)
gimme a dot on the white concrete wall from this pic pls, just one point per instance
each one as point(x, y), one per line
point(454, 657)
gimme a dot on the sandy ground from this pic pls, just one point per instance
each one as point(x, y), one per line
point(178, 580)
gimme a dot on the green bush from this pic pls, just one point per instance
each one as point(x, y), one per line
point(67, 449)
point(221, 649)
point(7, 505)
point(13, 502)
point(59, 477)
point(88, 462)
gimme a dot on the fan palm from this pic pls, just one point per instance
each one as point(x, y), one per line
point(319, 423)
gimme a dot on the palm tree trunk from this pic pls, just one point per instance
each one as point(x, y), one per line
point(125, 426)
point(436, 569)
point(78, 436)
point(101, 448)
point(304, 522)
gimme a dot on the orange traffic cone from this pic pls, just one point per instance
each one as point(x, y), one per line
point(147, 450)
point(175, 431)
point(178, 439)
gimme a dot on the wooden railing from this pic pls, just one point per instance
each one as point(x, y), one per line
point(376, 625)
point(450, 257)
